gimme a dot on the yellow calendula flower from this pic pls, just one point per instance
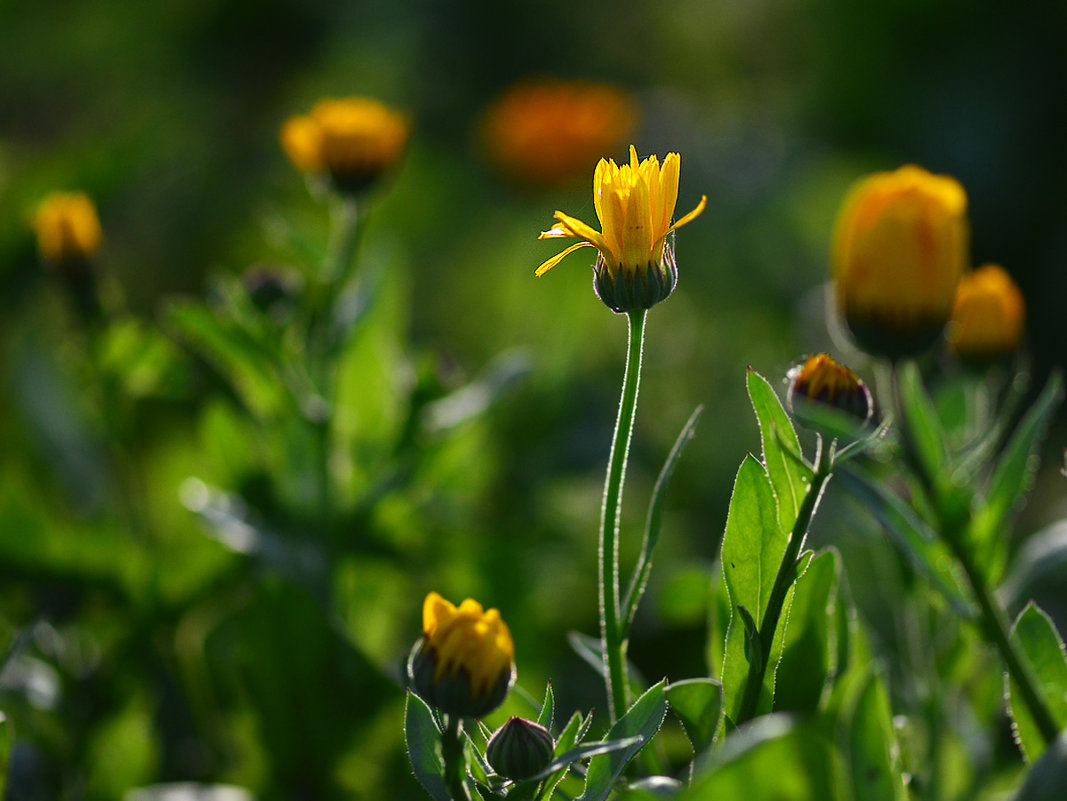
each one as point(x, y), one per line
point(464, 662)
point(987, 317)
point(352, 139)
point(900, 247)
point(823, 380)
point(635, 266)
point(549, 132)
point(67, 227)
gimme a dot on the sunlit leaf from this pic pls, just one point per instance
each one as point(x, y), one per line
point(697, 703)
point(1042, 647)
point(424, 748)
point(781, 449)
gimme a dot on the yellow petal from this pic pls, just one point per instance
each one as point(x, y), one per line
point(555, 232)
point(548, 265)
point(579, 228)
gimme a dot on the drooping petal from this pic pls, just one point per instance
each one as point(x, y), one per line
point(548, 265)
point(688, 218)
point(555, 232)
point(581, 229)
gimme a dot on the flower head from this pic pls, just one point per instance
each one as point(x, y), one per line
point(352, 139)
point(900, 246)
point(67, 227)
point(635, 203)
point(548, 132)
point(463, 664)
point(987, 317)
point(822, 380)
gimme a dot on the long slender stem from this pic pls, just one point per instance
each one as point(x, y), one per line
point(612, 635)
point(998, 628)
point(452, 755)
point(994, 617)
point(783, 580)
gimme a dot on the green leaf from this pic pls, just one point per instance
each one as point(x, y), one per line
point(544, 717)
point(1042, 648)
point(640, 722)
point(697, 703)
point(1047, 779)
point(571, 735)
point(920, 420)
point(872, 747)
point(781, 450)
point(424, 748)
point(752, 549)
point(572, 755)
point(5, 750)
point(655, 519)
point(804, 669)
point(1014, 475)
point(908, 533)
point(772, 757)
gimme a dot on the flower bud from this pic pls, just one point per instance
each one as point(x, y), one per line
point(353, 140)
point(987, 318)
point(900, 246)
point(823, 381)
point(520, 749)
point(463, 663)
point(67, 228)
point(643, 288)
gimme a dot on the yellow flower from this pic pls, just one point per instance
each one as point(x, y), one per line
point(549, 132)
point(988, 315)
point(463, 664)
point(822, 380)
point(900, 246)
point(635, 266)
point(353, 139)
point(67, 227)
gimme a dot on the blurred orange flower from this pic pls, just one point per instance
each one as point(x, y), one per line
point(987, 317)
point(67, 227)
point(548, 132)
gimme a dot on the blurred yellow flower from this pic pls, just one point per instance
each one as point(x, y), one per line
point(548, 132)
point(463, 664)
point(353, 139)
point(900, 246)
point(635, 266)
point(67, 227)
point(987, 317)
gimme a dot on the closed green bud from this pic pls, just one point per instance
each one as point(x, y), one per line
point(520, 749)
point(643, 288)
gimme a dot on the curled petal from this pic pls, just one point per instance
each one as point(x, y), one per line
point(548, 265)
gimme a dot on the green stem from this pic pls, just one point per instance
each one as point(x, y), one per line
point(613, 636)
point(953, 525)
point(998, 628)
point(454, 759)
point(783, 580)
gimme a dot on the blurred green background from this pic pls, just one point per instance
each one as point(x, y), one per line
point(153, 653)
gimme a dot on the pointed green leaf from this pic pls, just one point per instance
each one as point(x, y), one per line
point(908, 533)
point(697, 703)
point(752, 549)
point(772, 757)
point(1042, 647)
point(544, 717)
point(641, 722)
point(1014, 473)
point(804, 669)
point(920, 418)
point(781, 449)
point(424, 747)
point(873, 750)
point(655, 519)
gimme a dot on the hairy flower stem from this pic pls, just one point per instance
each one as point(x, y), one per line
point(454, 759)
point(613, 637)
point(783, 580)
point(953, 525)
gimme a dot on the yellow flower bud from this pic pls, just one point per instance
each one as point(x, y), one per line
point(67, 227)
point(463, 664)
point(635, 267)
point(988, 315)
point(352, 139)
point(548, 132)
point(822, 380)
point(900, 246)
